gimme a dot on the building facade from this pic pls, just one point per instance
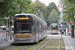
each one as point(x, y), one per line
point(60, 7)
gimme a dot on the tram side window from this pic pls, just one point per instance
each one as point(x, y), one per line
point(40, 27)
point(34, 26)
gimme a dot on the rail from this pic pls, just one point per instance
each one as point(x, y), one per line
point(44, 44)
point(59, 45)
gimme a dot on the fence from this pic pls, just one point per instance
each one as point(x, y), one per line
point(2, 35)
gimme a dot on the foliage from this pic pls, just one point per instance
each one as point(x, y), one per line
point(39, 14)
point(50, 7)
point(41, 6)
point(2, 22)
point(12, 7)
point(68, 7)
point(53, 17)
point(42, 17)
point(45, 10)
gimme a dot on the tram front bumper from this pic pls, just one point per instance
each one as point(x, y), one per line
point(54, 32)
point(24, 40)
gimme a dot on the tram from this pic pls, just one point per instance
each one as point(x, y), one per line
point(54, 28)
point(28, 28)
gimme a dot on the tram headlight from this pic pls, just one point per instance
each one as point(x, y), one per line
point(31, 35)
point(15, 36)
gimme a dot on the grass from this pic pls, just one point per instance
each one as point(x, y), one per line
point(62, 46)
point(14, 48)
point(18, 48)
point(52, 45)
point(37, 46)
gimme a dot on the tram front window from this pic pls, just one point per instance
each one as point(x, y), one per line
point(23, 28)
point(54, 27)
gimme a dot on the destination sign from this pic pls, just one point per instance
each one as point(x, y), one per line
point(24, 18)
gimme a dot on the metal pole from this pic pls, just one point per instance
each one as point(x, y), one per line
point(10, 29)
point(7, 31)
point(72, 35)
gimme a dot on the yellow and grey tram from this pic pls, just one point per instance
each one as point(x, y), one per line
point(29, 28)
point(54, 28)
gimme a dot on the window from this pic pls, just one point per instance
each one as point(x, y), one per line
point(54, 27)
point(23, 27)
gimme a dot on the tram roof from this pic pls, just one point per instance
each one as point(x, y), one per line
point(39, 19)
point(34, 16)
point(22, 14)
point(54, 24)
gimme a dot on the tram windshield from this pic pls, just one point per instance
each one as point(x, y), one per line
point(23, 28)
point(23, 24)
point(54, 27)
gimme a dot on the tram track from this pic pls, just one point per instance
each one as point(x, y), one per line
point(18, 47)
point(10, 47)
point(44, 44)
point(50, 45)
point(26, 47)
point(59, 45)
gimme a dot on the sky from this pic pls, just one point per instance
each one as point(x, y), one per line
point(46, 2)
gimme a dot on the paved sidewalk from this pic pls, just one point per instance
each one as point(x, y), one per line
point(4, 44)
point(69, 42)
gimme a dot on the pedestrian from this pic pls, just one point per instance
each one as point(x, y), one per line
point(65, 31)
point(62, 31)
point(68, 32)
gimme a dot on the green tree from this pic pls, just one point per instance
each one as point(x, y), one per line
point(41, 6)
point(36, 13)
point(42, 17)
point(26, 6)
point(39, 14)
point(50, 7)
point(12, 7)
point(69, 9)
point(53, 17)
